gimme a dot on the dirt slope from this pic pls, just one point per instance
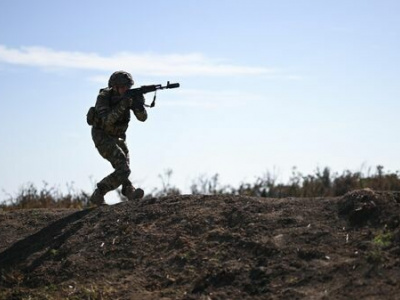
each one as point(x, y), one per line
point(206, 247)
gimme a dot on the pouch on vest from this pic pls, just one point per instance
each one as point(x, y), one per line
point(91, 115)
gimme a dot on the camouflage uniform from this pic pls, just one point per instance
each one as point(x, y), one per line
point(109, 135)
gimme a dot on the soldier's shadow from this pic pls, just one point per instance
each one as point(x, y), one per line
point(47, 239)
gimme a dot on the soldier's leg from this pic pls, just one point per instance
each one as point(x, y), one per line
point(122, 144)
point(111, 151)
point(128, 190)
point(120, 162)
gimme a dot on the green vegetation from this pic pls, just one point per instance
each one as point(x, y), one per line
point(380, 243)
point(383, 240)
point(323, 183)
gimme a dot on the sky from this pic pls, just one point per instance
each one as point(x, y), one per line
point(265, 86)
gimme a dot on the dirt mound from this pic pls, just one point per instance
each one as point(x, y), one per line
point(366, 207)
point(206, 247)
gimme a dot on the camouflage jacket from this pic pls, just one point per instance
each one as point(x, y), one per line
point(112, 117)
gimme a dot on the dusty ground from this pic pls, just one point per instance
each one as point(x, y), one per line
point(206, 247)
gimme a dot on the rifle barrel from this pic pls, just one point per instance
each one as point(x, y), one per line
point(172, 85)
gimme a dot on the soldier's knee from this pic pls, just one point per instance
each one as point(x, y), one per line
point(127, 172)
point(123, 172)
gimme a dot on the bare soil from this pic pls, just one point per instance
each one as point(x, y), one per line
point(206, 247)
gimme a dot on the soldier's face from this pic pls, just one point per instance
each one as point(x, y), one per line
point(122, 89)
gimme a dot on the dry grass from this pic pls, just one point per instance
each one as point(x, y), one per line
point(323, 183)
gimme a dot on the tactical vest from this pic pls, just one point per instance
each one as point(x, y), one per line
point(104, 105)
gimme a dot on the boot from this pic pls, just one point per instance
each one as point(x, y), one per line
point(131, 193)
point(97, 198)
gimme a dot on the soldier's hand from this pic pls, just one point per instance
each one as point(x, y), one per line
point(136, 105)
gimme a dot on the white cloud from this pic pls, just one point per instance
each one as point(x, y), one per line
point(146, 64)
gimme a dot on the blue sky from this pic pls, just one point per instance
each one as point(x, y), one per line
point(265, 86)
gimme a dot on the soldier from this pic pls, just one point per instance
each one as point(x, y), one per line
point(110, 122)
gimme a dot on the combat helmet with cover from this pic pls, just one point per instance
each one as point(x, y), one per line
point(120, 78)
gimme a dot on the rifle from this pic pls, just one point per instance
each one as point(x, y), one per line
point(150, 88)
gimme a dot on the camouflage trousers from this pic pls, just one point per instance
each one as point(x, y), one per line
point(116, 152)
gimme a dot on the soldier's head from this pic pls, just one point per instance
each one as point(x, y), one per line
point(120, 81)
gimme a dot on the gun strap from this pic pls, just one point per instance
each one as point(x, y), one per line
point(153, 103)
point(154, 99)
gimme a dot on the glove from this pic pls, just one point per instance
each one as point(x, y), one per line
point(137, 106)
point(138, 103)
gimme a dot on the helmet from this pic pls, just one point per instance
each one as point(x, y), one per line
point(120, 78)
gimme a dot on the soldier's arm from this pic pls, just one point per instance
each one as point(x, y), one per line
point(109, 115)
point(138, 108)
